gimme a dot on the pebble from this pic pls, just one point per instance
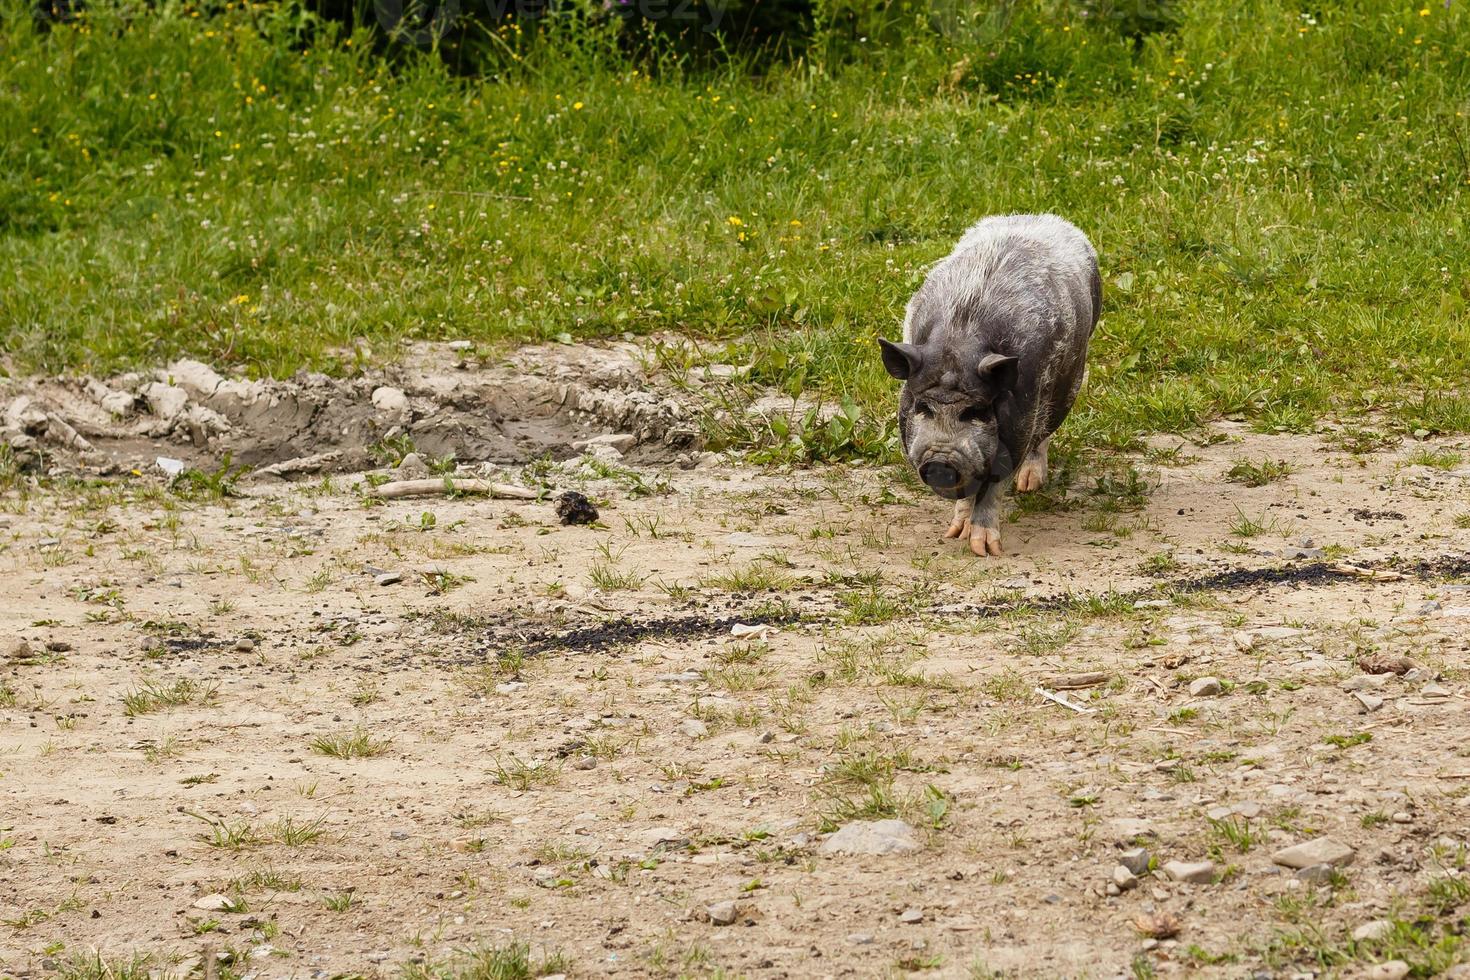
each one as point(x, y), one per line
point(214, 903)
point(1389, 970)
point(1376, 929)
point(693, 728)
point(1320, 850)
point(1369, 702)
point(911, 916)
point(244, 644)
point(877, 837)
point(58, 646)
point(1205, 687)
point(388, 578)
point(1191, 872)
point(510, 687)
point(861, 938)
point(398, 834)
point(391, 401)
point(621, 441)
point(585, 762)
point(1135, 860)
point(1402, 817)
point(1317, 874)
point(1366, 682)
point(723, 913)
point(686, 677)
point(1124, 879)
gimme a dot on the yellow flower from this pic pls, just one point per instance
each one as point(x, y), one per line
point(576, 105)
point(734, 219)
point(794, 223)
point(1424, 12)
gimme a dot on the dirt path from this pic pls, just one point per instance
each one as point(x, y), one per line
point(561, 743)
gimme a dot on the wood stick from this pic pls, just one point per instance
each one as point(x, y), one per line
point(447, 485)
point(1368, 573)
point(1064, 702)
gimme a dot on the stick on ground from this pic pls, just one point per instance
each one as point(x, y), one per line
point(447, 485)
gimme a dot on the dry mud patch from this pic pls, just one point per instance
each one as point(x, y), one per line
point(548, 734)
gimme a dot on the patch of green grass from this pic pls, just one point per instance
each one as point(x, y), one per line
point(1258, 474)
point(1463, 520)
point(151, 696)
point(1438, 459)
point(758, 576)
point(1272, 230)
point(510, 962)
point(95, 966)
point(1348, 741)
point(355, 744)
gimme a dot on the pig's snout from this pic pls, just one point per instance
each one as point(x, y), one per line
point(942, 478)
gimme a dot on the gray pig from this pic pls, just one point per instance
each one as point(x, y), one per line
point(993, 354)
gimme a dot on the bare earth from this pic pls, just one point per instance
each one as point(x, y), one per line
point(566, 746)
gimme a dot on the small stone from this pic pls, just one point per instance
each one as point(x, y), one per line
point(585, 762)
point(656, 836)
point(861, 938)
point(1402, 817)
point(723, 913)
point(1124, 879)
point(693, 728)
point(1320, 850)
point(911, 916)
point(1366, 682)
point(388, 578)
point(1134, 860)
point(875, 837)
point(1205, 687)
point(510, 687)
point(1438, 691)
point(214, 903)
point(461, 345)
point(1369, 702)
point(1244, 642)
point(621, 441)
point(58, 646)
point(1376, 929)
point(1317, 874)
point(398, 834)
point(1191, 872)
point(390, 401)
point(1128, 830)
point(1389, 970)
point(244, 644)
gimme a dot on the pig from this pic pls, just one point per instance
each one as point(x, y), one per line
point(994, 351)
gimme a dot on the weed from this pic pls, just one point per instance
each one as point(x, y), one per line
point(355, 744)
point(1258, 474)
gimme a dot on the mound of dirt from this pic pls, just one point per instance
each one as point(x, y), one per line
point(551, 400)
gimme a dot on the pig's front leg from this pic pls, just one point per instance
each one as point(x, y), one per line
point(985, 521)
point(960, 526)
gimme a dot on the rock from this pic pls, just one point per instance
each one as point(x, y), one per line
point(411, 467)
point(390, 401)
point(1403, 817)
point(1385, 663)
point(861, 938)
point(1369, 702)
point(1376, 929)
point(655, 836)
point(244, 644)
point(1320, 850)
point(1436, 691)
point(1134, 860)
point(398, 834)
point(1124, 879)
point(510, 687)
point(875, 837)
point(197, 378)
point(388, 578)
point(214, 903)
point(461, 345)
point(683, 677)
point(1191, 872)
point(58, 646)
point(1244, 642)
point(1205, 687)
point(1389, 970)
point(911, 916)
point(1366, 682)
point(621, 441)
point(693, 728)
point(1129, 830)
point(723, 913)
point(585, 762)
point(1317, 874)
point(165, 401)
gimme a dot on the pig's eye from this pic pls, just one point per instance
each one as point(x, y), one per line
point(975, 413)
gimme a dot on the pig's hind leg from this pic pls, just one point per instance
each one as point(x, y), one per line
point(960, 526)
point(985, 522)
point(1032, 474)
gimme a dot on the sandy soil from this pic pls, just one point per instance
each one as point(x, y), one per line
point(565, 745)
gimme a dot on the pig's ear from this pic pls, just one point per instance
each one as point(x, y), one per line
point(998, 373)
point(902, 360)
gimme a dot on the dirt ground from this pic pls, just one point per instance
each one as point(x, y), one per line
point(303, 733)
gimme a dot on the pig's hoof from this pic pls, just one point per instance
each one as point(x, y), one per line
point(959, 529)
point(1031, 476)
point(985, 541)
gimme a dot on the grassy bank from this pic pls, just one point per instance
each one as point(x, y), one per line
point(1280, 200)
